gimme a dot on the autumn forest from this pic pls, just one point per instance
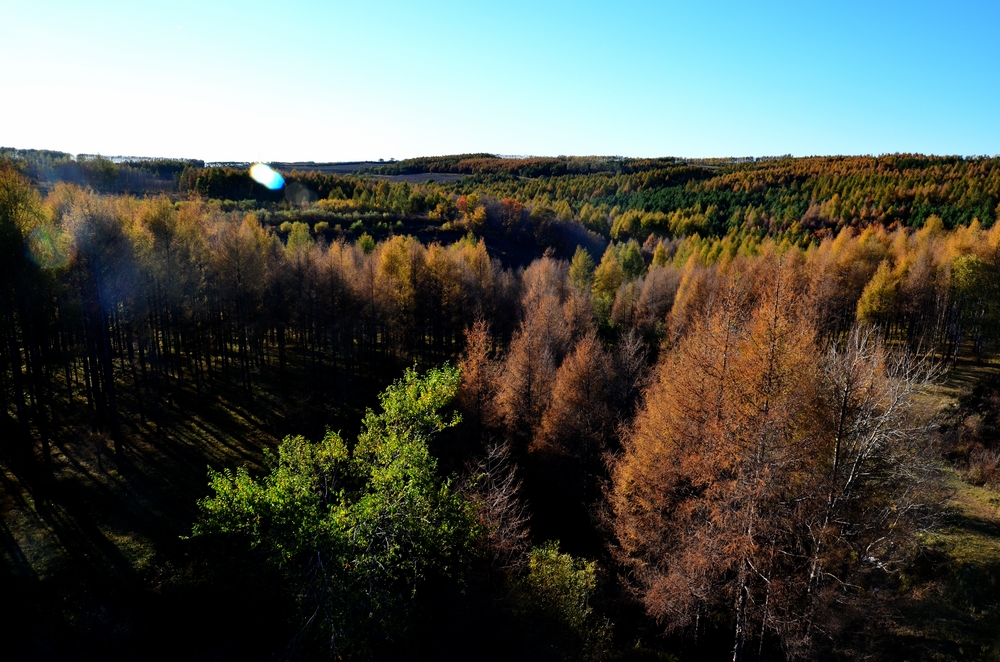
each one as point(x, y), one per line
point(483, 407)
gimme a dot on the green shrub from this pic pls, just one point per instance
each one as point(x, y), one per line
point(366, 243)
point(553, 599)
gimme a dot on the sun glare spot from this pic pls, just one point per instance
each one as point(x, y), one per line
point(267, 176)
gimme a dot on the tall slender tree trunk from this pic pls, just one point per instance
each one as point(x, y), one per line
point(17, 380)
point(110, 391)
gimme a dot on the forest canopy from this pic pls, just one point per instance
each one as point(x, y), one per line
point(684, 415)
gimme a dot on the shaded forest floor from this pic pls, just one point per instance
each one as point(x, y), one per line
point(96, 560)
point(96, 563)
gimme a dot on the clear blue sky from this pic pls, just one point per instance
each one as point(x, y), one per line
point(330, 81)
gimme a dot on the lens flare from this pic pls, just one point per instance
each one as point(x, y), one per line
point(298, 194)
point(50, 247)
point(267, 176)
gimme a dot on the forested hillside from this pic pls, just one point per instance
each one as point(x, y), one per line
point(561, 408)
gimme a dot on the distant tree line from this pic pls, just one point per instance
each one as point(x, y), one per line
point(613, 196)
point(812, 195)
point(119, 175)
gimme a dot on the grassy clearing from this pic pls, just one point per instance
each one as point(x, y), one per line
point(950, 608)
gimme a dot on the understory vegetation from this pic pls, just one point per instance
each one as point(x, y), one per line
point(573, 408)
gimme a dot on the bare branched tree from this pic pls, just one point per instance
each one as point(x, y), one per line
point(876, 486)
point(494, 488)
point(631, 371)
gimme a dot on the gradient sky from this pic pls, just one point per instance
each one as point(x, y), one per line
point(333, 81)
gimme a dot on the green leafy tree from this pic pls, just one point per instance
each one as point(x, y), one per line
point(356, 530)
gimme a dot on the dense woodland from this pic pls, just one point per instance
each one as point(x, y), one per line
point(562, 408)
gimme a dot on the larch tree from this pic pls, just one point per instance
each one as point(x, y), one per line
point(609, 275)
point(546, 288)
point(479, 372)
point(692, 296)
point(631, 374)
point(659, 289)
point(581, 269)
point(878, 299)
point(578, 419)
point(524, 384)
point(724, 493)
point(239, 269)
point(872, 481)
point(107, 281)
point(21, 212)
point(543, 338)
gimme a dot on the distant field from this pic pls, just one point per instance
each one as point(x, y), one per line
point(353, 166)
point(420, 178)
point(345, 168)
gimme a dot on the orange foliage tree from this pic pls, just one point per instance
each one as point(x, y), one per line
point(730, 495)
